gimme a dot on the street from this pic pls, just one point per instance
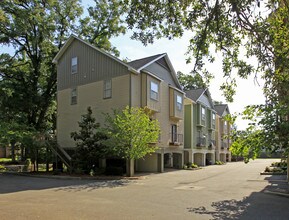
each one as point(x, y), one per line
point(232, 191)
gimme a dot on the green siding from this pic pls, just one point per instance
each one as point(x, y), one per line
point(188, 126)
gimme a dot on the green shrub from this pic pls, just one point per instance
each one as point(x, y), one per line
point(218, 162)
point(190, 166)
point(115, 171)
point(2, 168)
point(26, 165)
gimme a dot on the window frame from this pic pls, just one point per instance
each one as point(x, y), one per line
point(213, 118)
point(179, 104)
point(105, 89)
point(153, 91)
point(73, 96)
point(74, 66)
point(203, 115)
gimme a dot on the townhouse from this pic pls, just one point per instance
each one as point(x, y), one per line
point(223, 129)
point(200, 125)
point(88, 76)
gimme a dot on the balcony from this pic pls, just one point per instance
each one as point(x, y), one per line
point(176, 139)
point(201, 142)
point(212, 143)
point(224, 145)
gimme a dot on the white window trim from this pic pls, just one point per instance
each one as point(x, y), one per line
point(74, 62)
point(153, 91)
point(203, 116)
point(73, 98)
point(107, 89)
point(179, 104)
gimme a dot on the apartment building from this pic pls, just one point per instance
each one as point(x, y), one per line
point(223, 129)
point(88, 76)
point(200, 125)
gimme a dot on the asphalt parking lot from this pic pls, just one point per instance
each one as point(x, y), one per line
point(231, 191)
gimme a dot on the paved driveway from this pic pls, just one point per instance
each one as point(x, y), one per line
point(232, 191)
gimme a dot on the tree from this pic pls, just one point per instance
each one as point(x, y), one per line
point(36, 30)
point(131, 133)
point(260, 29)
point(191, 81)
point(104, 22)
point(12, 134)
point(89, 142)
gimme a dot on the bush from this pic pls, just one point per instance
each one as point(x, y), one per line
point(2, 168)
point(115, 171)
point(190, 166)
point(218, 162)
point(274, 170)
point(279, 164)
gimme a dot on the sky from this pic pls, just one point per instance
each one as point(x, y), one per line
point(248, 91)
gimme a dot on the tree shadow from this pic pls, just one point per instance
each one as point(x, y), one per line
point(223, 210)
point(14, 183)
point(95, 185)
point(264, 205)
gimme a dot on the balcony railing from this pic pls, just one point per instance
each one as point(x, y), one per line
point(176, 139)
point(212, 143)
point(201, 142)
point(224, 145)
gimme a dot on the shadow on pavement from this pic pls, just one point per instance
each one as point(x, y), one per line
point(263, 205)
point(13, 183)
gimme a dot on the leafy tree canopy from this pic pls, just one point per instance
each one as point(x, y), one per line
point(131, 133)
point(191, 81)
point(36, 30)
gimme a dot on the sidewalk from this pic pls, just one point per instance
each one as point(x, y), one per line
point(278, 185)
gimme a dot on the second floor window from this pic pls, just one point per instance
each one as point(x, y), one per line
point(154, 91)
point(203, 113)
point(107, 89)
point(179, 102)
point(74, 65)
point(174, 133)
point(213, 118)
point(73, 96)
point(225, 126)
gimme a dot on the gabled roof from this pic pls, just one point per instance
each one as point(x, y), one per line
point(196, 94)
point(135, 66)
point(73, 37)
point(141, 64)
point(221, 108)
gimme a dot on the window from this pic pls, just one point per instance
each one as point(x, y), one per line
point(174, 133)
point(74, 65)
point(213, 118)
point(203, 111)
point(73, 96)
point(225, 126)
point(179, 102)
point(107, 87)
point(154, 91)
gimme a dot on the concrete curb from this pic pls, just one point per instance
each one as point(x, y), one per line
point(272, 173)
point(105, 178)
point(277, 193)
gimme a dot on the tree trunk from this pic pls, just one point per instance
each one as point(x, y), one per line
point(47, 161)
point(130, 167)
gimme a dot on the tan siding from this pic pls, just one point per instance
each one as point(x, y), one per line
point(143, 90)
point(136, 92)
point(88, 95)
point(92, 66)
point(153, 104)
